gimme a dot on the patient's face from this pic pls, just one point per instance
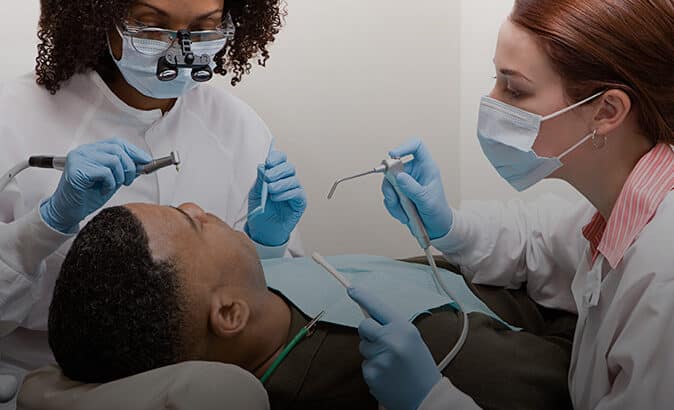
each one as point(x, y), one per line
point(209, 253)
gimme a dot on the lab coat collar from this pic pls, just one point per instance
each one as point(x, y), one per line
point(645, 189)
point(146, 117)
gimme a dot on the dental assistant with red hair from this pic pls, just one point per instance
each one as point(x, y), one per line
point(584, 93)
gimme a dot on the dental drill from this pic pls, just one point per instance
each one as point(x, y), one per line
point(59, 163)
point(391, 168)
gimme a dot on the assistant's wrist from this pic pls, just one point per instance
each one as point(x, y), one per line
point(455, 240)
point(435, 381)
point(443, 224)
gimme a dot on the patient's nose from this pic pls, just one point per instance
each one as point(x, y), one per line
point(192, 209)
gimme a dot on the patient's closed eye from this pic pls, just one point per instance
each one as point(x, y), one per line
point(189, 218)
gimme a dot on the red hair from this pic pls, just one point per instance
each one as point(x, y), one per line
point(611, 44)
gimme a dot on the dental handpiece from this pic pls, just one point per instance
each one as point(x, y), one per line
point(393, 168)
point(153, 166)
point(59, 163)
point(157, 164)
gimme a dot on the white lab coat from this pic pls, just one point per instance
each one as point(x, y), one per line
point(220, 140)
point(622, 351)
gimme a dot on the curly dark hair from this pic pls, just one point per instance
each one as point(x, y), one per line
point(116, 311)
point(72, 35)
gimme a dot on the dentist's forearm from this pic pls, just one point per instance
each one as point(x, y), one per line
point(24, 244)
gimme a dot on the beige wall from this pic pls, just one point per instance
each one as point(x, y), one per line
point(19, 37)
point(348, 81)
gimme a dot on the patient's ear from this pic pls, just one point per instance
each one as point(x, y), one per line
point(229, 315)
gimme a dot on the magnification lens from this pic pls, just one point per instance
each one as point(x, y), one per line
point(202, 75)
point(166, 71)
point(168, 74)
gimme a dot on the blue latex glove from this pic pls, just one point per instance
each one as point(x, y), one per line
point(93, 173)
point(286, 202)
point(398, 367)
point(422, 184)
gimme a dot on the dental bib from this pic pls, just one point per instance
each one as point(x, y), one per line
point(406, 287)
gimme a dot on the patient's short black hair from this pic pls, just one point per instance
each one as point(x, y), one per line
point(116, 310)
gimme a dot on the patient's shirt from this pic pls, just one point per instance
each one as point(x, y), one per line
point(408, 288)
point(497, 367)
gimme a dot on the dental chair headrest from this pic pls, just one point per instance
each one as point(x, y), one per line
point(189, 385)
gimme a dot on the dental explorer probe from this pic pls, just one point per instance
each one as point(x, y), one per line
point(377, 170)
point(59, 163)
point(391, 168)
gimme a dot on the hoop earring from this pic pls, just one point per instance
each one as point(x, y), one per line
point(598, 143)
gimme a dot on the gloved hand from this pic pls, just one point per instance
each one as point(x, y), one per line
point(422, 184)
point(93, 173)
point(286, 203)
point(398, 366)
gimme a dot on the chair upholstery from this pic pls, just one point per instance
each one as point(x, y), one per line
point(188, 385)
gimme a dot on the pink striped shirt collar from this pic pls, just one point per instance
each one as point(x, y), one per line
point(644, 191)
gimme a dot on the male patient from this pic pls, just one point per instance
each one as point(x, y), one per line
point(145, 286)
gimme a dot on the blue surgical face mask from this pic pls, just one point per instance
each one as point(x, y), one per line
point(507, 135)
point(140, 69)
